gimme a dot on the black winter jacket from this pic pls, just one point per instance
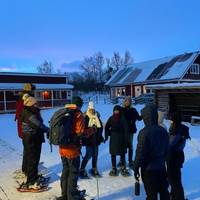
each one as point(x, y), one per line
point(153, 142)
point(32, 123)
point(177, 139)
point(131, 115)
point(118, 132)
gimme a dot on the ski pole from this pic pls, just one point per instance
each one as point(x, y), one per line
point(97, 187)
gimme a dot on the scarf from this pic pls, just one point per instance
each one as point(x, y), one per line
point(93, 120)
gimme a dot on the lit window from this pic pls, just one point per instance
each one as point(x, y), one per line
point(195, 69)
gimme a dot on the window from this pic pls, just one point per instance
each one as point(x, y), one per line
point(195, 69)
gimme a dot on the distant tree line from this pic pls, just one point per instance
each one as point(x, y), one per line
point(95, 70)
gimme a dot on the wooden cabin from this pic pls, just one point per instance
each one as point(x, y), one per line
point(133, 80)
point(51, 90)
point(183, 97)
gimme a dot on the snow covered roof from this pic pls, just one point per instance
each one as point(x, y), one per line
point(174, 86)
point(19, 86)
point(173, 67)
point(32, 74)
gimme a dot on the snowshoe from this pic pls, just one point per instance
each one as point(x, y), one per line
point(125, 172)
point(83, 174)
point(113, 172)
point(95, 173)
point(36, 187)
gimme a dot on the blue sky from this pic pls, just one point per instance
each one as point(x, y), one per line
point(62, 31)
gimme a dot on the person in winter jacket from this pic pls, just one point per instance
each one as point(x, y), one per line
point(29, 90)
point(131, 115)
point(151, 155)
point(70, 154)
point(92, 120)
point(178, 133)
point(116, 128)
point(33, 131)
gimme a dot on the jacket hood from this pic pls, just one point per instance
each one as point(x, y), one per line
point(150, 115)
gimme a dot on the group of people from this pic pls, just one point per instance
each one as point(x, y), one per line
point(156, 146)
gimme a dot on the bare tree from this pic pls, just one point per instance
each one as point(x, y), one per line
point(99, 62)
point(128, 59)
point(116, 61)
point(45, 68)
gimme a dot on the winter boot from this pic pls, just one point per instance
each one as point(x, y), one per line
point(83, 174)
point(113, 172)
point(94, 172)
point(125, 172)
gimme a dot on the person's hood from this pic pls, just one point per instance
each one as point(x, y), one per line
point(161, 116)
point(150, 115)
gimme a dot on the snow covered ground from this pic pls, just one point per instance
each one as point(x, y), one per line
point(111, 188)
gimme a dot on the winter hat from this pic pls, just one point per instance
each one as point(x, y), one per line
point(117, 107)
point(29, 101)
point(91, 105)
point(27, 87)
point(77, 101)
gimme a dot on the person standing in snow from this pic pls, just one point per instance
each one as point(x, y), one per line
point(92, 120)
point(116, 128)
point(178, 133)
point(33, 131)
point(28, 89)
point(131, 115)
point(151, 153)
point(70, 154)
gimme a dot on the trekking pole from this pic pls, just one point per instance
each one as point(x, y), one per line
point(97, 187)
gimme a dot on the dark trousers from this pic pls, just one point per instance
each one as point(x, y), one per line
point(113, 160)
point(69, 178)
point(174, 177)
point(24, 159)
point(91, 152)
point(32, 151)
point(155, 182)
point(130, 148)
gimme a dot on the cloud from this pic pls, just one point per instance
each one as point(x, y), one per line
point(8, 68)
point(70, 67)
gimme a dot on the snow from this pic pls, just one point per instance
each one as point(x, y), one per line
point(174, 85)
point(19, 86)
point(111, 188)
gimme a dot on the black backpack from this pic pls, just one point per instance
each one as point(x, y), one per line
point(61, 125)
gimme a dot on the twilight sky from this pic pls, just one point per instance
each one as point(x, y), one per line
point(63, 31)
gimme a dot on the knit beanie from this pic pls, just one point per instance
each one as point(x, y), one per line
point(117, 107)
point(77, 101)
point(91, 105)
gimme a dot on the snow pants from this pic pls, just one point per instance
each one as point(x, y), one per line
point(91, 152)
point(69, 178)
point(32, 151)
point(155, 182)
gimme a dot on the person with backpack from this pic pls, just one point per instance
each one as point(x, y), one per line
point(178, 134)
point(151, 153)
point(92, 120)
point(131, 115)
point(70, 153)
point(27, 89)
point(116, 128)
point(33, 130)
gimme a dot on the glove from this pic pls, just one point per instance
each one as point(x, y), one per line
point(106, 138)
point(47, 134)
point(136, 173)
